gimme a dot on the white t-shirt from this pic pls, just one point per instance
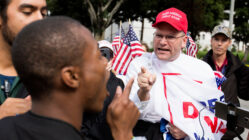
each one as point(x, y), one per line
point(188, 66)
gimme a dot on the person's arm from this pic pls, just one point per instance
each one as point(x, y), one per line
point(122, 114)
point(145, 82)
point(14, 106)
point(242, 75)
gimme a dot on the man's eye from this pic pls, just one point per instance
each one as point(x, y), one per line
point(170, 37)
point(44, 13)
point(159, 36)
point(27, 13)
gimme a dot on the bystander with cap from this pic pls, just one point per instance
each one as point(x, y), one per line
point(106, 49)
point(222, 60)
point(236, 73)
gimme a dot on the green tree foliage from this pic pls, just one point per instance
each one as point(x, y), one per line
point(241, 21)
point(95, 14)
point(202, 15)
point(75, 9)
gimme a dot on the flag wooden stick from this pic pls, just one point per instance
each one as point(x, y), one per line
point(129, 21)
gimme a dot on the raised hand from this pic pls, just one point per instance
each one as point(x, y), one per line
point(145, 82)
point(122, 114)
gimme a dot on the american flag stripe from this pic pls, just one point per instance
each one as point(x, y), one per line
point(136, 53)
point(117, 60)
point(191, 46)
point(220, 78)
point(117, 41)
point(135, 44)
point(123, 61)
point(126, 63)
point(136, 49)
point(115, 44)
point(129, 49)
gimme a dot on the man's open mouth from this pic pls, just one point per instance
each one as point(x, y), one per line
point(161, 49)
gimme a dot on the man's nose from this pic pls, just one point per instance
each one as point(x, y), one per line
point(219, 42)
point(163, 41)
point(38, 15)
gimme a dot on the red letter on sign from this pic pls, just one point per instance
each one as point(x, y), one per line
point(186, 107)
point(211, 124)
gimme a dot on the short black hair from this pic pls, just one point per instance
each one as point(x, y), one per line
point(3, 9)
point(43, 48)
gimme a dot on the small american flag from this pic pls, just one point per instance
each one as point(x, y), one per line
point(191, 48)
point(117, 42)
point(220, 78)
point(130, 49)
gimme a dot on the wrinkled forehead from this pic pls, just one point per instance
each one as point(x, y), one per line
point(221, 36)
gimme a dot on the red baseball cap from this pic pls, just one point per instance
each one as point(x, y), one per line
point(174, 17)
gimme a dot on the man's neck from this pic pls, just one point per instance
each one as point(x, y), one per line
point(6, 65)
point(60, 108)
point(219, 59)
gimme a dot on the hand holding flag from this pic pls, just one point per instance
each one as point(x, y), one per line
point(176, 132)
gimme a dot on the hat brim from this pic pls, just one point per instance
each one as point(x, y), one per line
point(223, 33)
point(169, 22)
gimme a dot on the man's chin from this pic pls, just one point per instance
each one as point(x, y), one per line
point(162, 57)
point(95, 109)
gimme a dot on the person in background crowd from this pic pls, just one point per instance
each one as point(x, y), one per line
point(14, 15)
point(107, 51)
point(222, 60)
point(65, 74)
point(236, 73)
point(145, 47)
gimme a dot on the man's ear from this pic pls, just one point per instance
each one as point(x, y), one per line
point(230, 42)
point(70, 76)
point(184, 42)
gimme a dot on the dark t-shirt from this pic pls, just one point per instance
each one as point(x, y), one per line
point(30, 126)
point(94, 125)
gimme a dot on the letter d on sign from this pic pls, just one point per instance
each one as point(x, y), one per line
point(189, 110)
